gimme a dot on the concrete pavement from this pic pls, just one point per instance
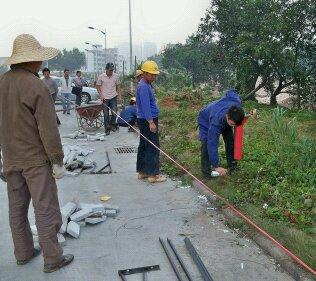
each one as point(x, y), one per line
point(131, 239)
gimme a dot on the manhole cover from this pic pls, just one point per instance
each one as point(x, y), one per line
point(125, 149)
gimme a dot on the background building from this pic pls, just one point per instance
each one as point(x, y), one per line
point(96, 58)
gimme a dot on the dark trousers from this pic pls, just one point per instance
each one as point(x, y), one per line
point(38, 184)
point(54, 96)
point(112, 104)
point(147, 155)
point(206, 166)
point(77, 91)
point(132, 122)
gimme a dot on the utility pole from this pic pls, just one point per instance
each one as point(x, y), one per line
point(104, 47)
point(130, 37)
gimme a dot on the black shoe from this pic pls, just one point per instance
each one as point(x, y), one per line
point(67, 259)
point(36, 252)
point(114, 128)
point(68, 113)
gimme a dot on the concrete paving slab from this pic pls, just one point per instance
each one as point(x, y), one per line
point(131, 239)
point(73, 229)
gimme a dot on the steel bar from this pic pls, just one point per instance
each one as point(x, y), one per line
point(180, 260)
point(175, 269)
point(143, 270)
point(196, 258)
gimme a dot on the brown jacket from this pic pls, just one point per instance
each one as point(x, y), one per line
point(29, 135)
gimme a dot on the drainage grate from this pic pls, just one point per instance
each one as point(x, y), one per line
point(125, 149)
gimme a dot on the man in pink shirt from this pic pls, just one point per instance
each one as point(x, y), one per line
point(109, 89)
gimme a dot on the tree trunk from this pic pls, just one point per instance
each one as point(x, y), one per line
point(275, 93)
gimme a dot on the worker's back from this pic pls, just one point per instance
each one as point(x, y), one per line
point(25, 106)
point(214, 113)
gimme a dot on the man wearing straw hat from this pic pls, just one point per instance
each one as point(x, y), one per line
point(32, 153)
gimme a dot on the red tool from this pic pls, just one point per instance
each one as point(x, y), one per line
point(238, 135)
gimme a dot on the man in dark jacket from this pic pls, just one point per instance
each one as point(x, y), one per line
point(216, 119)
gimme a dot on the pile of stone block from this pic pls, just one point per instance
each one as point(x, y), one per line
point(75, 216)
point(86, 137)
point(75, 160)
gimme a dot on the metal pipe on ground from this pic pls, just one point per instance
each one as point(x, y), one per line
point(180, 260)
point(196, 258)
point(174, 267)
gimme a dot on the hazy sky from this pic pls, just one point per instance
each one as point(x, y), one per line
point(63, 24)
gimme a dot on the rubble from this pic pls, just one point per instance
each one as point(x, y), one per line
point(68, 209)
point(75, 159)
point(78, 215)
point(87, 137)
point(95, 220)
point(73, 229)
point(81, 215)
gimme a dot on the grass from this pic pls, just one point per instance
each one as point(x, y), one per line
point(278, 169)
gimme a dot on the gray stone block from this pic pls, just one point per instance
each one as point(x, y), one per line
point(81, 215)
point(61, 239)
point(111, 207)
point(94, 207)
point(95, 220)
point(63, 227)
point(98, 214)
point(110, 213)
point(73, 229)
point(68, 209)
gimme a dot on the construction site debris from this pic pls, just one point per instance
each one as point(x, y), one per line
point(81, 215)
point(95, 220)
point(68, 209)
point(73, 229)
point(84, 136)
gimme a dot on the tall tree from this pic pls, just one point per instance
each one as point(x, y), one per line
point(271, 39)
point(73, 59)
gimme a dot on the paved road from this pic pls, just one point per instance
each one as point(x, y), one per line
point(131, 240)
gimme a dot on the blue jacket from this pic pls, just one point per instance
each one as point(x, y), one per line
point(127, 114)
point(146, 101)
point(212, 122)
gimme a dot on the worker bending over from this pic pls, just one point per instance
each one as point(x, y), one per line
point(129, 115)
point(219, 118)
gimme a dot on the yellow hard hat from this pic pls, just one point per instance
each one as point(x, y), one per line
point(138, 72)
point(150, 66)
point(133, 99)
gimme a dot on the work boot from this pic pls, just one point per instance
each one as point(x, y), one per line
point(142, 176)
point(36, 252)
point(156, 179)
point(67, 259)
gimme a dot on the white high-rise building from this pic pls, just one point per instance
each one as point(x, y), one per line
point(96, 58)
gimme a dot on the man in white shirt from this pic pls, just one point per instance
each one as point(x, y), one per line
point(65, 90)
point(109, 89)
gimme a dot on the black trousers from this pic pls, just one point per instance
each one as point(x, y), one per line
point(206, 166)
point(78, 92)
point(111, 103)
point(148, 155)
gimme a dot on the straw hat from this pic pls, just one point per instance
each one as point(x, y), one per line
point(26, 49)
point(138, 72)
